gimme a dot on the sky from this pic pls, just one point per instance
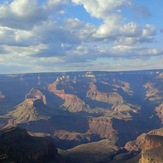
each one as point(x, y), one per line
point(80, 35)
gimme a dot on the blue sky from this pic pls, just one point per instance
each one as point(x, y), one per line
point(80, 35)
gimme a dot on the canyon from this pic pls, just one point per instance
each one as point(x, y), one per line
point(108, 115)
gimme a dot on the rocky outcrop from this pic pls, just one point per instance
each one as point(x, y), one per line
point(33, 108)
point(160, 75)
point(152, 141)
point(112, 98)
point(137, 144)
point(150, 145)
point(151, 91)
point(71, 101)
point(158, 132)
point(52, 88)
point(75, 136)
point(35, 94)
point(159, 111)
point(17, 146)
point(154, 91)
point(67, 135)
point(125, 86)
point(90, 76)
point(98, 128)
point(103, 127)
point(66, 139)
point(28, 110)
point(95, 152)
point(152, 150)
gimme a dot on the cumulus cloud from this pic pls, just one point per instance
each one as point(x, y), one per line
point(45, 32)
point(114, 26)
point(102, 8)
point(23, 14)
point(16, 37)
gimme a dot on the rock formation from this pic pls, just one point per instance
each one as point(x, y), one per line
point(112, 98)
point(32, 109)
point(159, 110)
point(152, 150)
point(17, 146)
point(35, 94)
point(137, 144)
point(103, 127)
point(95, 152)
point(71, 101)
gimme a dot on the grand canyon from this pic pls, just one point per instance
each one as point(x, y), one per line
point(87, 117)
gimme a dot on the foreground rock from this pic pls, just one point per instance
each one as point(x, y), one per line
point(17, 146)
point(153, 149)
point(95, 152)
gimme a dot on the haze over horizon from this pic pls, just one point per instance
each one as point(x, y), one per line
point(80, 35)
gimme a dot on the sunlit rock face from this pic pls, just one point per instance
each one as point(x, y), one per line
point(153, 149)
point(35, 94)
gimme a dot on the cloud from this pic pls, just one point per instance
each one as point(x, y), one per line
point(24, 14)
point(56, 4)
point(151, 52)
point(39, 33)
point(102, 8)
point(114, 26)
point(131, 29)
point(16, 37)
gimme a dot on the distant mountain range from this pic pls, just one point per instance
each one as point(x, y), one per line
point(109, 115)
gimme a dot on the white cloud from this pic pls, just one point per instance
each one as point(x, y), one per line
point(16, 37)
point(105, 31)
point(123, 48)
point(150, 52)
point(127, 41)
point(56, 3)
point(73, 23)
point(19, 51)
point(102, 8)
point(131, 29)
point(80, 50)
point(24, 8)
point(149, 31)
point(108, 11)
point(114, 27)
point(45, 32)
point(23, 14)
